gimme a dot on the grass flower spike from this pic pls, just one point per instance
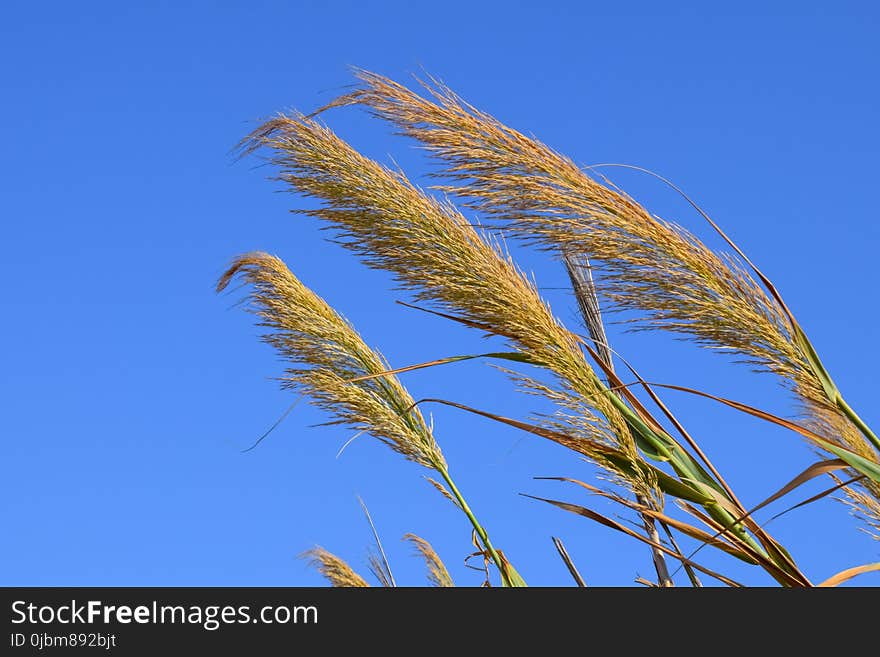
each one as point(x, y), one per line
point(646, 264)
point(335, 570)
point(329, 362)
point(325, 354)
point(618, 256)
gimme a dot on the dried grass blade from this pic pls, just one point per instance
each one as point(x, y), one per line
point(385, 567)
point(867, 467)
point(501, 355)
point(848, 574)
point(683, 527)
point(817, 496)
point(598, 517)
point(566, 559)
point(581, 445)
point(694, 445)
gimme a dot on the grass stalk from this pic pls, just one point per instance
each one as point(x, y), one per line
point(507, 577)
point(584, 288)
point(659, 560)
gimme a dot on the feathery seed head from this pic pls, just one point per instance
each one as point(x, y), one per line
point(438, 575)
point(649, 265)
point(434, 251)
point(327, 359)
point(334, 569)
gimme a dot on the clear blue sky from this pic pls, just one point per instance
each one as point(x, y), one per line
point(129, 388)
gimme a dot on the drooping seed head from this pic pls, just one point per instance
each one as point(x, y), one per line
point(327, 359)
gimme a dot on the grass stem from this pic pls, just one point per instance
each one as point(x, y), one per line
point(481, 532)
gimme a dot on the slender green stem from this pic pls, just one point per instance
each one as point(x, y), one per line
point(859, 422)
point(484, 537)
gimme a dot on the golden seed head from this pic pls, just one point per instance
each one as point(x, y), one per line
point(438, 575)
point(334, 569)
point(646, 264)
point(437, 254)
point(327, 359)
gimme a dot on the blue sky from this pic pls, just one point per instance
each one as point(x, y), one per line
point(130, 388)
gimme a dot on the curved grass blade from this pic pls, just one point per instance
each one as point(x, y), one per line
point(810, 473)
point(776, 556)
point(848, 574)
point(815, 470)
point(868, 468)
point(817, 497)
point(501, 355)
point(683, 527)
point(681, 430)
point(598, 517)
point(667, 483)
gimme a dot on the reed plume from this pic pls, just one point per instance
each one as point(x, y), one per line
point(438, 575)
point(435, 252)
point(463, 272)
point(334, 569)
point(647, 264)
point(328, 360)
point(331, 364)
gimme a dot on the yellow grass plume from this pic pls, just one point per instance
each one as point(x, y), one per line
point(434, 251)
point(437, 573)
point(647, 264)
point(334, 569)
point(327, 359)
point(329, 362)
